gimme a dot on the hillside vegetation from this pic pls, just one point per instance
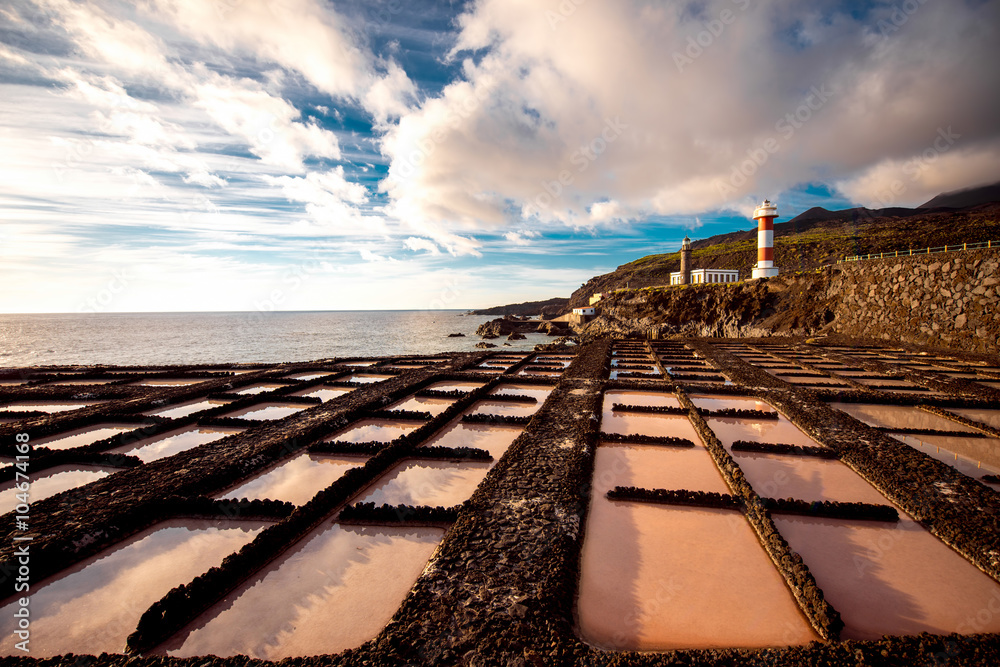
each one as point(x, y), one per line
point(806, 244)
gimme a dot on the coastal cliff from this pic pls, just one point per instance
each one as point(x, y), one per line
point(813, 240)
point(948, 300)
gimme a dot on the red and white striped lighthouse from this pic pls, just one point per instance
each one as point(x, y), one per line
point(765, 215)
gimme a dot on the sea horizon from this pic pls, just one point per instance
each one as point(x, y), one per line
point(234, 337)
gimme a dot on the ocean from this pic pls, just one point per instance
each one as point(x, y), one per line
point(221, 338)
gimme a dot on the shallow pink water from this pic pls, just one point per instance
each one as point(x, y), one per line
point(710, 402)
point(45, 406)
point(455, 385)
point(990, 417)
point(296, 480)
point(652, 467)
point(373, 430)
point(432, 483)
point(494, 438)
point(969, 451)
point(307, 376)
point(324, 394)
point(185, 409)
point(168, 444)
point(169, 382)
point(267, 411)
point(540, 393)
point(368, 378)
point(435, 406)
point(775, 431)
point(898, 416)
point(660, 577)
point(51, 481)
point(92, 607)
point(806, 478)
point(84, 436)
point(334, 590)
point(893, 579)
point(625, 397)
point(257, 389)
point(487, 407)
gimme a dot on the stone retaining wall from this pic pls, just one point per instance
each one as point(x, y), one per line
point(948, 300)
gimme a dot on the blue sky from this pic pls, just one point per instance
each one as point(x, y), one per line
point(380, 154)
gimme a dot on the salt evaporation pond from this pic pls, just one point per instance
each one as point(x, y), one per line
point(296, 480)
point(991, 417)
point(805, 478)
point(709, 402)
point(173, 442)
point(902, 417)
point(779, 431)
point(373, 430)
point(666, 577)
point(488, 407)
point(51, 481)
point(305, 377)
point(540, 393)
point(40, 406)
point(334, 590)
point(663, 577)
point(82, 437)
point(654, 467)
point(169, 382)
point(255, 389)
point(434, 406)
point(95, 605)
point(894, 579)
point(460, 385)
point(324, 394)
point(268, 411)
point(970, 456)
point(494, 438)
point(368, 378)
point(431, 483)
point(185, 409)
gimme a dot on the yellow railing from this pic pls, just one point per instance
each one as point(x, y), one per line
point(982, 245)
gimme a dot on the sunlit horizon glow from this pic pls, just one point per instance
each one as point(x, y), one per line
point(227, 155)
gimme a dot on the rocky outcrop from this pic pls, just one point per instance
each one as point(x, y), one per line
point(504, 326)
point(948, 300)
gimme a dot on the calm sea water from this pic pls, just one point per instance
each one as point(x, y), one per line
point(215, 338)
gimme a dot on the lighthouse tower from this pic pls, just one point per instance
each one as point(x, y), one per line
point(765, 215)
point(686, 261)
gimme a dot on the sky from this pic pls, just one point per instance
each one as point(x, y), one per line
point(193, 155)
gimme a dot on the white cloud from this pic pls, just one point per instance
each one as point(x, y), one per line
point(267, 123)
point(920, 177)
point(522, 237)
point(597, 117)
point(413, 243)
point(390, 95)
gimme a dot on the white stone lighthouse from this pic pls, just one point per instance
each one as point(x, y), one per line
point(765, 215)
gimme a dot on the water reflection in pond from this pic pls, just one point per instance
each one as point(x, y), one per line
point(94, 606)
point(334, 590)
